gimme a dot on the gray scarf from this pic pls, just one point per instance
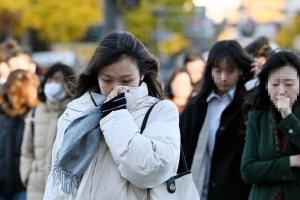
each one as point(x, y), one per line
point(80, 143)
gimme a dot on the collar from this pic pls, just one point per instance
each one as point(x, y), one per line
point(137, 96)
point(251, 84)
point(230, 93)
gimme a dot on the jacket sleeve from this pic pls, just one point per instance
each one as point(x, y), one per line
point(255, 171)
point(290, 126)
point(27, 152)
point(149, 159)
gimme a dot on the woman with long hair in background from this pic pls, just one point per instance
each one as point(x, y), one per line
point(20, 95)
point(212, 122)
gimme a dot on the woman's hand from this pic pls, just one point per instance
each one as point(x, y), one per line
point(256, 67)
point(295, 161)
point(113, 94)
point(284, 106)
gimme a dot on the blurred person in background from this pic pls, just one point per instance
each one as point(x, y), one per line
point(41, 128)
point(20, 59)
point(212, 123)
point(5, 49)
point(195, 65)
point(271, 157)
point(179, 88)
point(20, 94)
point(260, 49)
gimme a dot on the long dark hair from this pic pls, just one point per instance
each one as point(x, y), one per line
point(68, 76)
point(174, 73)
point(111, 49)
point(259, 99)
point(233, 51)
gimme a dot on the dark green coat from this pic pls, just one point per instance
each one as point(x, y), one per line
point(261, 167)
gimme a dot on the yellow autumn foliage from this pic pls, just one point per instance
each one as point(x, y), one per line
point(285, 37)
point(54, 20)
point(176, 44)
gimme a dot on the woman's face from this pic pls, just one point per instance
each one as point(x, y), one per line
point(283, 83)
point(122, 73)
point(181, 86)
point(225, 77)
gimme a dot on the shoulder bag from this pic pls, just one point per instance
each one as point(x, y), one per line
point(179, 187)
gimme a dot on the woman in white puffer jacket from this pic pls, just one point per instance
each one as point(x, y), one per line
point(114, 161)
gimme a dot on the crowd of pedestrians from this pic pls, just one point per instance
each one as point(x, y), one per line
point(225, 128)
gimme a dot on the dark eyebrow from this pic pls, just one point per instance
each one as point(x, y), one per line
point(121, 76)
point(126, 75)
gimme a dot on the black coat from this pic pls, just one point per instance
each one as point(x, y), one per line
point(11, 135)
point(225, 181)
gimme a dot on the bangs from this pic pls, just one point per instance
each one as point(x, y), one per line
point(230, 60)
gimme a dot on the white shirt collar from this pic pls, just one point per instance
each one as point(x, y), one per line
point(230, 93)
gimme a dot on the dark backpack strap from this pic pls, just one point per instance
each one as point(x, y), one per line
point(32, 120)
point(182, 157)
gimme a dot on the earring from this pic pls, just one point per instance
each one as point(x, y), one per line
point(142, 78)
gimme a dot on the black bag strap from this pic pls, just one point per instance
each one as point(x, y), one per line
point(32, 120)
point(182, 157)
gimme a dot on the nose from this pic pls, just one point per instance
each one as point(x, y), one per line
point(223, 76)
point(282, 90)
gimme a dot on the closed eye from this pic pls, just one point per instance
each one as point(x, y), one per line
point(127, 81)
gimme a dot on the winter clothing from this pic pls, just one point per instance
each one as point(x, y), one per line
point(78, 150)
point(126, 162)
point(261, 165)
point(37, 146)
point(225, 181)
point(11, 135)
point(215, 109)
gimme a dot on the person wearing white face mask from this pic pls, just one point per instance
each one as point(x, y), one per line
point(40, 129)
point(55, 91)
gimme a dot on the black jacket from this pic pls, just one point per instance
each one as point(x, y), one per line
point(225, 181)
point(11, 135)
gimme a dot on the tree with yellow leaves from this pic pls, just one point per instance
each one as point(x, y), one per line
point(54, 20)
point(286, 35)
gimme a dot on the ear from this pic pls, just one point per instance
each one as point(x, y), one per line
point(32, 67)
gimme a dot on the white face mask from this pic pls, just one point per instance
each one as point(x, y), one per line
point(55, 92)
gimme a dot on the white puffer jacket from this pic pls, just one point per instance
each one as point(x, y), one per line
point(126, 163)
